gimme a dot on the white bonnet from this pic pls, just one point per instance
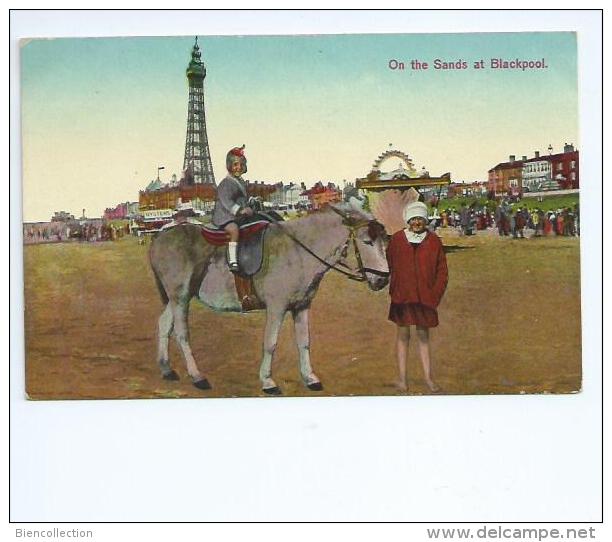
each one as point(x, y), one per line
point(415, 209)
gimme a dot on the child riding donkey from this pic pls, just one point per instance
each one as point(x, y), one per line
point(234, 207)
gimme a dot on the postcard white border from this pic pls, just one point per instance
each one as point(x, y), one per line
point(500, 458)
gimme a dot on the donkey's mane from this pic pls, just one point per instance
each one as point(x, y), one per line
point(325, 217)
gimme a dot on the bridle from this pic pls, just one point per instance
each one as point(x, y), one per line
point(353, 226)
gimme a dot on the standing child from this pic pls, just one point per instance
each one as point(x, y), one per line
point(419, 275)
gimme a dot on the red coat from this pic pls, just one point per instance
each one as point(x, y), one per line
point(418, 275)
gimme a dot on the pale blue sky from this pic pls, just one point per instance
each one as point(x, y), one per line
point(99, 115)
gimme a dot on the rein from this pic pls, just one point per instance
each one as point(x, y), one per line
point(360, 275)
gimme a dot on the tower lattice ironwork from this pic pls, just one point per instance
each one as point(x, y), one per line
point(197, 163)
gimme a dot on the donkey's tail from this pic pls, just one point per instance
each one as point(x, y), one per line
point(160, 287)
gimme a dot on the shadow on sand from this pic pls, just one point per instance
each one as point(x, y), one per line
point(448, 249)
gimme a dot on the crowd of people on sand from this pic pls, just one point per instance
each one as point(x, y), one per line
point(509, 219)
point(57, 232)
point(506, 218)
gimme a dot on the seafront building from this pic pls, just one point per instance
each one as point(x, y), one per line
point(558, 171)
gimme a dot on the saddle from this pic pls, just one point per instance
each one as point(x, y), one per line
point(250, 255)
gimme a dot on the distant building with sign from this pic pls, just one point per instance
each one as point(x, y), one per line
point(168, 196)
point(200, 197)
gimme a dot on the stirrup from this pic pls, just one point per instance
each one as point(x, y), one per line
point(233, 267)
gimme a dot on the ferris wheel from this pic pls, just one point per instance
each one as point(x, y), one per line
point(390, 154)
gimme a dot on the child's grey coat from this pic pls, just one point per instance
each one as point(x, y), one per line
point(231, 196)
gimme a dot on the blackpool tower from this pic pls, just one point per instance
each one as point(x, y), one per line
point(197, 165)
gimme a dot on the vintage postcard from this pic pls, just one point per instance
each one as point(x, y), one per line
point(317, 215)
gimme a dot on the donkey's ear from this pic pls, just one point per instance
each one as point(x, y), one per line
point(349, 216)
point(340, 209)
point(359, 208)
point(357, 204)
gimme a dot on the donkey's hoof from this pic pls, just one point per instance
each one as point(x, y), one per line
point(273, 391)
point(172, 375)
point(315, 386)
point(202, 384)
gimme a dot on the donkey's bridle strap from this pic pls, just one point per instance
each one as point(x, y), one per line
point(360, 277)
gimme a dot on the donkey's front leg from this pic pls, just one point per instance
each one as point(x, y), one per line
point(274, 321)
point(302, 340)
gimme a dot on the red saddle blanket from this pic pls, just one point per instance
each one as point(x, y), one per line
point(219, 237)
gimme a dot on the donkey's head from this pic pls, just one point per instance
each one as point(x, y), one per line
point(369, 242)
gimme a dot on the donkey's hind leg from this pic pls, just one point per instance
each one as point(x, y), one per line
point(164, 329)
point(180, 311)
